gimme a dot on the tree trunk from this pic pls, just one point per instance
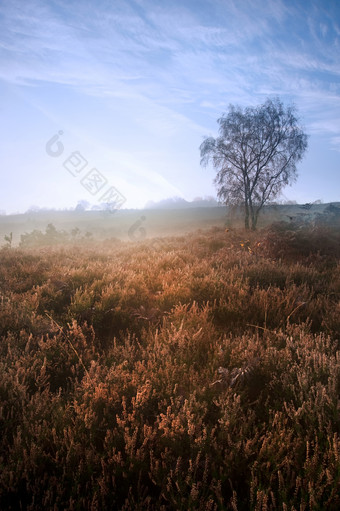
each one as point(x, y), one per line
point(253, 220)
point(251, 215)
point(254, 217)
point(246, 219)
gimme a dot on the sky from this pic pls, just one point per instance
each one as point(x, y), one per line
point(102, 99)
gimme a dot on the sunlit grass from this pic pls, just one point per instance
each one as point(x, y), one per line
point(199, 373)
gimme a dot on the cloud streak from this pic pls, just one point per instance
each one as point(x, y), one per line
point(167, 70)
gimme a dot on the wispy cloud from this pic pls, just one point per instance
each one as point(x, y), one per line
point(167, 70)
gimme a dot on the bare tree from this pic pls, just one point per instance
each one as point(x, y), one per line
point(255, 155)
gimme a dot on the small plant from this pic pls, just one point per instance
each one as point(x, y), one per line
point(8, 239)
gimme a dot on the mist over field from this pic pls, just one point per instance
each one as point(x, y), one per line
point(134, 225)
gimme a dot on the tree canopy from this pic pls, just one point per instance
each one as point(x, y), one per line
point(255, 154)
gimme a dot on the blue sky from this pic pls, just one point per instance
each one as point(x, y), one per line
point(135, 86)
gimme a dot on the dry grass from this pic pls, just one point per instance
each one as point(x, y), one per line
point(198, 373)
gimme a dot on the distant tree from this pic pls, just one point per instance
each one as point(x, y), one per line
point(82, 205)
point(37, 238)
point(51, 233)
point(32, 239)
point(33, 209)
point(75, 232)
point(9, 239)
point(255, 155)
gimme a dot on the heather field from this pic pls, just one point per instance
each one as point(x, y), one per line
point(196, 372)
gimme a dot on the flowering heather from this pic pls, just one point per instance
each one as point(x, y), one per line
point(197, 373)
